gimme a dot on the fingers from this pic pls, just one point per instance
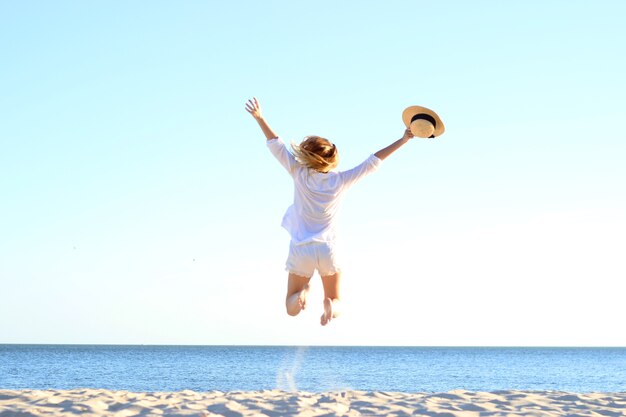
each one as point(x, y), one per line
point(252, 106)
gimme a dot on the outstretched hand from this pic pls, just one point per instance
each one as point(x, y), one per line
point(254, 108)
point(407, 134)
point(385, 152)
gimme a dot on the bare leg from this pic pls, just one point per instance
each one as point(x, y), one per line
point(297, 290)
point(331, 297)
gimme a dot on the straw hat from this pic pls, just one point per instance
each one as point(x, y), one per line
point(423, 122)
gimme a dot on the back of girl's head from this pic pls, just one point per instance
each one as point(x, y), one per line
point(317, 153)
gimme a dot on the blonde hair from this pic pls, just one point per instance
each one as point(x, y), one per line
point(317, 153)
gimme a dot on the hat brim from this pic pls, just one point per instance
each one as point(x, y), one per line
point(411, 111)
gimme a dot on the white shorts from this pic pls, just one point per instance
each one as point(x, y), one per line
point(304, 259)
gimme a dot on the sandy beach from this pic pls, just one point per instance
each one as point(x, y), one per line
point(95, 402)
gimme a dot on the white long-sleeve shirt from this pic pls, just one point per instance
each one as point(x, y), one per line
point(317, 195)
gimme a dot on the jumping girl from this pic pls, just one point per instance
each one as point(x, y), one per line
point(310, 220)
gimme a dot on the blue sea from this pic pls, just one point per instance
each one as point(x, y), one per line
point(315, 369)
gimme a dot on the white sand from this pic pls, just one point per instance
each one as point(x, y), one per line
point(92, 402)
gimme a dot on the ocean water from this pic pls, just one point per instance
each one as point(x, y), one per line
point(315, 369)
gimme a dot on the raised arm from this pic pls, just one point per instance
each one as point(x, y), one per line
point(254, 108)
point(385, 152)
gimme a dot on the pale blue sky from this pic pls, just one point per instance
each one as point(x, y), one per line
point(140, 205)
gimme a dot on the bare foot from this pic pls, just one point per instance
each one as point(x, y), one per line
point(328, 312)
point(297, 301)
point(302, 296)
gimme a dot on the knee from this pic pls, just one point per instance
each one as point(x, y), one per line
point(292, 312)
point(289, 308)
